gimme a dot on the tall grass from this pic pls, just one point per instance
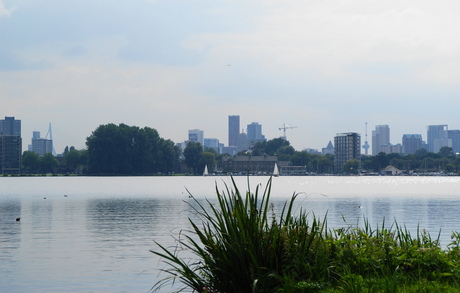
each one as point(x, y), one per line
point(242, 246)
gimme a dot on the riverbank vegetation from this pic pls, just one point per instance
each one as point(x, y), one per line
point(241, 245)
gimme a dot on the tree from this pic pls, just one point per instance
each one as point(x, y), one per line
point(31, 161)
point(192, 154)
point(48, 163)
point(207, 159)
point(351, 166)
point(129, 150)
point(445, 152)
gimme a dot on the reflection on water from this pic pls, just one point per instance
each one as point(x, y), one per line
point(98, 238)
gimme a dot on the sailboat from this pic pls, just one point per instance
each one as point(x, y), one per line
point(276, 172)
point(205, 172)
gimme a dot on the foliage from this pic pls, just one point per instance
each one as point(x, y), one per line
point(242, 246)
point(33, 163)
point(351, 166)
point(192, 154)
point(129, 150)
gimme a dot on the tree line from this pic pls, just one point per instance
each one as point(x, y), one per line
point(129, 150)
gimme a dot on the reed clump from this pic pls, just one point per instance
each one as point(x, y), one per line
point(242, 246)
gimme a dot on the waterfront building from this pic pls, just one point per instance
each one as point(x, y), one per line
point(254, 131)
point(411, 143)
point(437, 137)
point(380, 136)
point(346, 147)
point(249, 164)
point(233, 130)
point(10, 126)
point(10, 154)
point(454, 136)
point(196, 135)
point(10, 145)
point(40, 145)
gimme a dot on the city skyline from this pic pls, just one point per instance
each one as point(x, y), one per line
point(325, 67)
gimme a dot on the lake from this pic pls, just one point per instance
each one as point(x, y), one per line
point(93, 234)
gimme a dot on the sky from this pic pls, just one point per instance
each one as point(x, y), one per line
point(325, 67)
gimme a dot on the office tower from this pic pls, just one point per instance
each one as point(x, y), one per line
point(254, 132)
point(454, 136)
point(242, 141)
point(411, 143)
point(437, 137)
point(380, 136)
point(196, 135)
point(40, 145)
point(10, 146)
point(233, 129)
point(10, 126)
point(212, 143)
point(346, 147)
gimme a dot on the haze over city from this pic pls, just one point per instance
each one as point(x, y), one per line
point(325, 67)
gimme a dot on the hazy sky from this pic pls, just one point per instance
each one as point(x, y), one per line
point(173, 65)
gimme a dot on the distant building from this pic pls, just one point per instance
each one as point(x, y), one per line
point(411, 143)
point(230, 150)
point(254, 132)
point(380, 136)
point(10, 126)
point(212, 143)
point(312, 151)
point(437, 137)
point(40, 145)
point(196, 135)
point(346, 147)
point(10, 154)
point(391, 148)
point(10, 146)
point(328, 150)
point(242, 141)
point(233, 130)
point(249, 164)
point(454, 136)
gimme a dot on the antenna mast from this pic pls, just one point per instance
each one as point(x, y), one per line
point(366, 144)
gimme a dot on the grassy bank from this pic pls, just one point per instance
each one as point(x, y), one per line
point(242, 246)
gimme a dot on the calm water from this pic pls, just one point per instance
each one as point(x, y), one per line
point(93, 234)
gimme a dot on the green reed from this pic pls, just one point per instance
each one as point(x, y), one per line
point(240, 245)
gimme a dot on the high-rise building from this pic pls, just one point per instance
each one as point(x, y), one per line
point(411, 143)
point(196, 135)
point(346, 147)
point(233, 129)
point(10, 126)
point(212, 143)
point(437, 137)
point(242, 141)
point(10, 145)
point(380, 136)
point(454, 136)
point(254, 132)
point(40, 145)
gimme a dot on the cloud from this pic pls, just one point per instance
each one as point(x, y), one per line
point(4, 12)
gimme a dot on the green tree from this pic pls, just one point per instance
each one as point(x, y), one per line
point(446, 152)
point(351, 166)
point(192, 154)
point(31, 161)
point(207, 159)
point(48, 163)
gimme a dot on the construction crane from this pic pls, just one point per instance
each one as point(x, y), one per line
point(286, 126)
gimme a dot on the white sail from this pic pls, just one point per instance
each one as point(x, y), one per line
point(276, 172)
point(205, 172)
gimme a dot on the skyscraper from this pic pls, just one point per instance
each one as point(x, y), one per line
point(40, 145)
point(196, 135)
point(411, 143)
point(10, 145)
point(233, 129)
point(10, 126)
point(380, 136)
point(255, 135)
point(437, 137)
point(454, 136)
point(346, 147)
